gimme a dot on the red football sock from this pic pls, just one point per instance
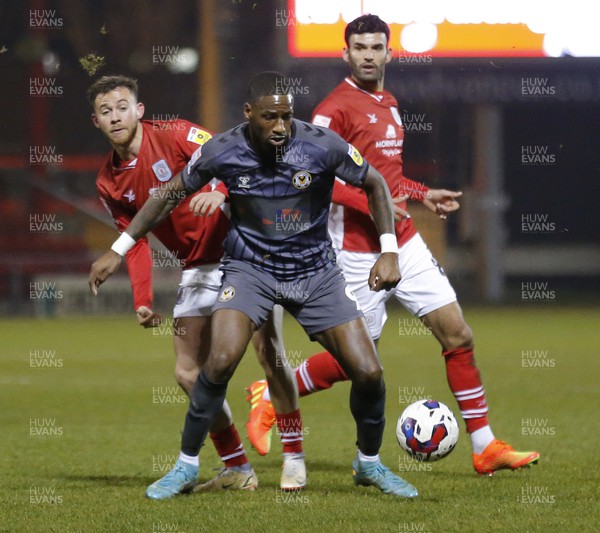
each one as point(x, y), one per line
point(318, 372)
point(229, 447)
point(289, 427)
point(465, 383)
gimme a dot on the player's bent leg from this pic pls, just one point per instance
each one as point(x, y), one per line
point(234, 330)
point(191, 337)
point(231, 334)
point(489, 454)
point(354, 348)
point(281, 396)
point(191, 340)
point(270, 349)
point(283, 410)
point(449, 327)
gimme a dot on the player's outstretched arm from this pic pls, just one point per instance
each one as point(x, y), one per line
point(385, 273)
point(157, 208)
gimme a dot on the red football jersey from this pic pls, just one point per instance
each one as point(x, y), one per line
point(124, 187)
point(371, 123)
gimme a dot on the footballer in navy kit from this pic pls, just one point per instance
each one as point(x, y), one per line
point(280, 174)
point(280, 199)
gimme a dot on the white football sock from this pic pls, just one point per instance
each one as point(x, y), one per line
point(481, 438)
point(267, 394)
point(189, 459)
point(367, 458)
point(290, 456)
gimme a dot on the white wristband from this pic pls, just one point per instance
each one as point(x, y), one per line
point(123, 244)
point(388, 243)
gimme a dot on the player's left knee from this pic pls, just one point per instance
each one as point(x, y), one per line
point(465, 338)
point(186, 378)
point(369, 378)
point(262, 350)
point(461, 337)
point(220, 367)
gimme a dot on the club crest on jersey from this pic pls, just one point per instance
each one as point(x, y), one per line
point(302, 180)
point(372, 118)
point(390, 132)
point(227, 294)
point(355, 155)
point(243, 182)
point(198, 136)
point(162, 171)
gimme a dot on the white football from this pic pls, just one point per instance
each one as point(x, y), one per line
point(427, 430)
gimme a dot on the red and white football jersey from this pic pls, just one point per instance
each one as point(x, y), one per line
point(370, 121)
point(124, 187)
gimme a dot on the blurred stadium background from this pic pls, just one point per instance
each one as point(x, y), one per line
point(487, 108)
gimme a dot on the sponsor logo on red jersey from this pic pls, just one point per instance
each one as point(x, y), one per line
point(198, 136)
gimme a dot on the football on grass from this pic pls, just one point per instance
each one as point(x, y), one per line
point(427, 430)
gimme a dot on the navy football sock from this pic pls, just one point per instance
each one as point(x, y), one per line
point(368, 409)
point(205, 402)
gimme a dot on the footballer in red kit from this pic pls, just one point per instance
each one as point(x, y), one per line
point(124, 187)
point(362, 112)
point(371, 121)
point(145, 156)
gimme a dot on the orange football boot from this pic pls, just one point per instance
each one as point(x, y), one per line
point(262, 418)
point(498, 455)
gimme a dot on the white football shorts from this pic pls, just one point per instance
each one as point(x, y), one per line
point(423, 288)
point(198, 291)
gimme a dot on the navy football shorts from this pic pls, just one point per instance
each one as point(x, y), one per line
point(318, 301)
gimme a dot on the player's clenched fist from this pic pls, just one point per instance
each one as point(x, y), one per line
point(102, 269)
point(385, 274)
point(148, 318)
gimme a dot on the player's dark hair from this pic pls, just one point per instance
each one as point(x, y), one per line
point(265, 84)
point(106, 84)
point(366, 24)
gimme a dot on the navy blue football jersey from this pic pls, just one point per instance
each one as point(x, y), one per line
point(279, 206)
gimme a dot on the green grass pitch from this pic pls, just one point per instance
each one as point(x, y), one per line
point(90, 415)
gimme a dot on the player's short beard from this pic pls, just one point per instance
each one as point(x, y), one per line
point(375, 78)
point(129, 138)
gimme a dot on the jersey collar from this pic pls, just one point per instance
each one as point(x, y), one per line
point(376, 96)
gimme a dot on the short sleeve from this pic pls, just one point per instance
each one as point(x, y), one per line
point(349, 164)
point(329, 115)
point(189, 137)
point(197, 173)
